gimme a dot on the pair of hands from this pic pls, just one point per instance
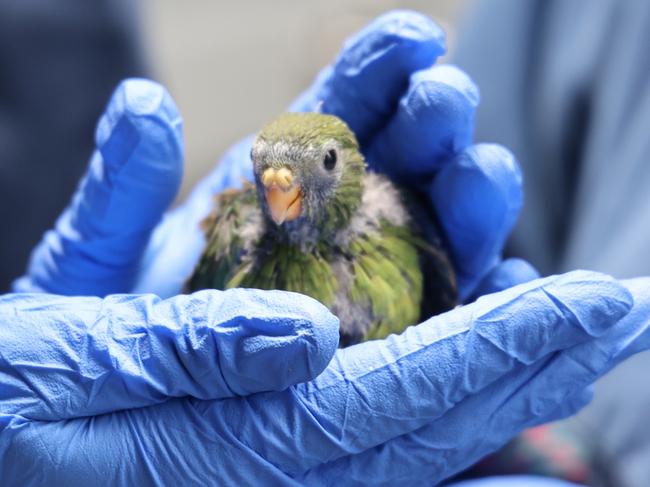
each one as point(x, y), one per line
point(247, 386)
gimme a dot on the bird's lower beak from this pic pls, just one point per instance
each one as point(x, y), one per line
point(285, 205)
point(283, 195)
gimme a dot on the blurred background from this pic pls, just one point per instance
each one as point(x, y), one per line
point(232, 66)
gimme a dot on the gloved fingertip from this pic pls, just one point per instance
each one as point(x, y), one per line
point(434, 121)
point(495, 161)
point(632, 334)
point(532, 320)
point(402, 25)
point(591, 300)
point(508, 273)
point(448, 79)
point(142, 124)
point(638, 288)
point(477, 197)
point(310, 329)
point(269, 340)
point(396, 43)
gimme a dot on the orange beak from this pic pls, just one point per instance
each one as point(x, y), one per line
point(282, 195)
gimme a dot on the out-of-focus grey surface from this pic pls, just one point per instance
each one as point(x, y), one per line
point(59, 62)
point(566, 86)
point(232, 66)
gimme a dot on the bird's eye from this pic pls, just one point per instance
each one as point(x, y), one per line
point(329, 162)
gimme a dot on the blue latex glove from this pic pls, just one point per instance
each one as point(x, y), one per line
point(414, 122)
point(414, 407)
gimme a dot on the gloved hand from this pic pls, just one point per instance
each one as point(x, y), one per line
point(411, 408)
point(414, 122)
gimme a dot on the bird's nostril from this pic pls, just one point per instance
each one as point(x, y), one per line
point(281, 178)
point(268, 177)
point(284, 178)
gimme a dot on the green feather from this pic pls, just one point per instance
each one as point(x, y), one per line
point(303, 129)
point(387, 277)
point(223, 249)
point(287, 267)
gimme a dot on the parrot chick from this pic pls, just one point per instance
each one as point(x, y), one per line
point(318, 223)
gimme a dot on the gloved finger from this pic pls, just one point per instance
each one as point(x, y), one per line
point(423, 456)
point(431, 367)
point(631, 335)
point(515, 481)
point(477, 198)
point(640, 315)
point(434, 122)
point(176, 244)
point(365, 82)
point(69, 357)
point(132, 178)
point(165, 444)
point(506, 274)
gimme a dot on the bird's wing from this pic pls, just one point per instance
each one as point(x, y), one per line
point(387, 281)
point(440, 291)
point(231, 230)
point(400, 271)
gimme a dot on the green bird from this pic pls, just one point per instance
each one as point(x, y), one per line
point(318, 222)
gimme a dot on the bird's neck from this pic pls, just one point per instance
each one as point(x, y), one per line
point(302, 233)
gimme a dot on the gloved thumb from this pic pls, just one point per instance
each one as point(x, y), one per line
point(65, 357)
point(506, 274)
point(133, 176)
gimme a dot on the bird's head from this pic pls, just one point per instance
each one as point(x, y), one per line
point(308, 171)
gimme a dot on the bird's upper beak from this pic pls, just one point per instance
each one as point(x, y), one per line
point(282, 195)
